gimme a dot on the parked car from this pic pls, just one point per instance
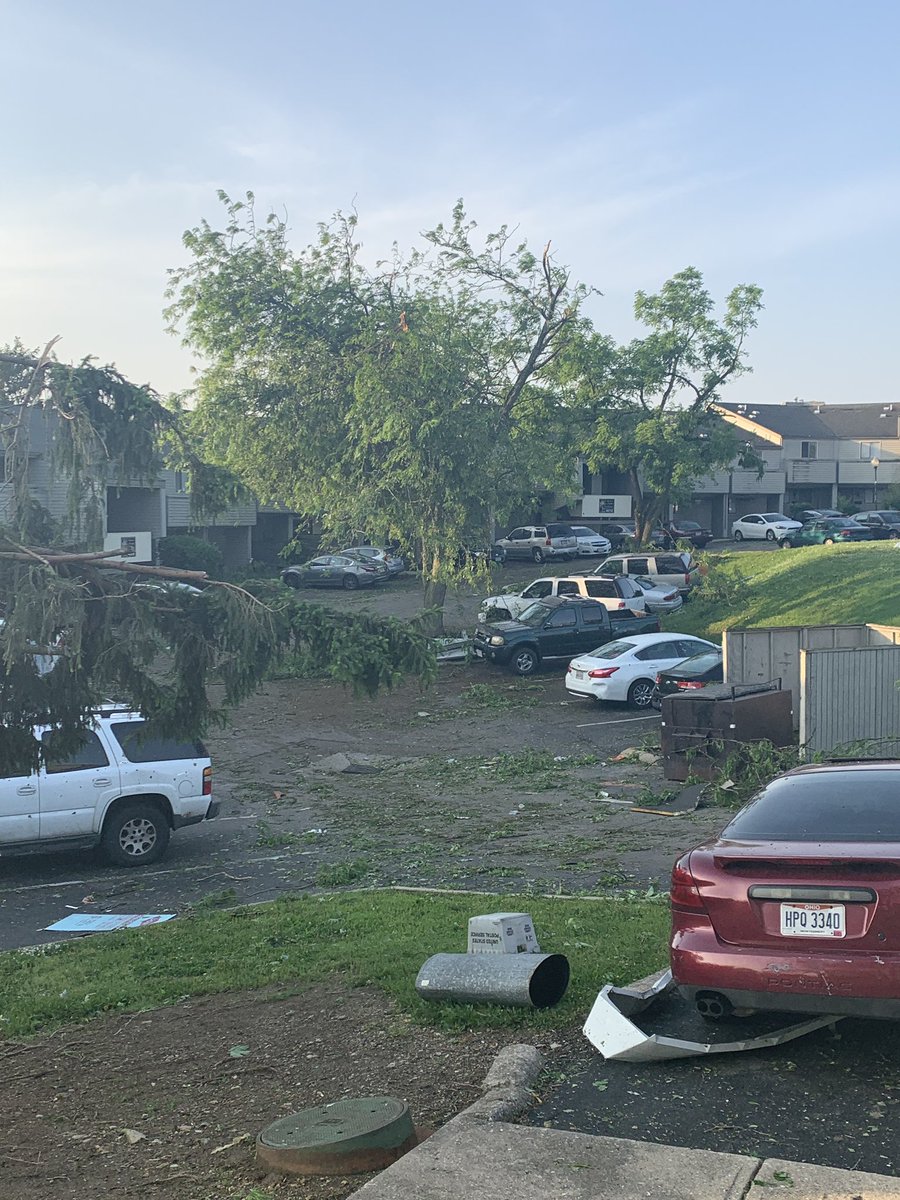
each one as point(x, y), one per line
point(885, 523)
point(689, 676)
point(335, 570)
point(615, 593)
point(658, 597)
point(828, 531)
point(394, 564)
point(814, 514)
point(626, 670)
point(590, 543)
point(793, 907)
point(676, 570)
point(123, 790)
point(554, 628)
point(623, 532)
point(687, 531)
point(539, 542)
point(770, 526)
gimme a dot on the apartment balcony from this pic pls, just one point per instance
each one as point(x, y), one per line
point(811, 470)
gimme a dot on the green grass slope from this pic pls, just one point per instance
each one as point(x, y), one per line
point(814, 585)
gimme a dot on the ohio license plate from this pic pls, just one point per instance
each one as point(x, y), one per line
point(813, 920)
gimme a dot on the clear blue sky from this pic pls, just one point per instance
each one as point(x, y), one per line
point(758, 142)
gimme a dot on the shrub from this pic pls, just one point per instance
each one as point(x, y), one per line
point(191, 554)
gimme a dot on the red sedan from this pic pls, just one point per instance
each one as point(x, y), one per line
point(796, 905)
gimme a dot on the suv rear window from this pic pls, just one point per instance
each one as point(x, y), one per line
point(140, 746)
point(823, 807)
point(560, 531)
point(671, 564)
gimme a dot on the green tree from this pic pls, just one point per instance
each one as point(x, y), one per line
point(650, 401)
point(412, 401)
point(120, 631)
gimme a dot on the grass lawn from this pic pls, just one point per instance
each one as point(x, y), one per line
point(378, 937)
point(813, 585)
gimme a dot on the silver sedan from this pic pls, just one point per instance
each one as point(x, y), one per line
point(659, 597)
point(374, 554)
point(334, 570)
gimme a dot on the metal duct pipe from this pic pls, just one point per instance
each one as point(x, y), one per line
point(526, 980)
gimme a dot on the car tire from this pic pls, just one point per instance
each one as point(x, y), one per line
point(770, 535)
point(640, 694)
point(135, 834)
point(525, 661)
point(786, 544)
point(738, 536)
point(537, 554)
point(828, 542)
point(498, 555)
point(293, 581)
point(350, 583)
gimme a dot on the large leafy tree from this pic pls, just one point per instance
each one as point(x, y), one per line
point(111, 630)
point(650, 400)
point(410, 401)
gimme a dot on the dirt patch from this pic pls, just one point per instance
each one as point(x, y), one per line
point(169, 1075)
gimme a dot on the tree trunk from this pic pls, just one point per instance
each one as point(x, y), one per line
point(435, 595)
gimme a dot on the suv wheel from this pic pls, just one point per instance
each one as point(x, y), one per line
point(525, 661)
point(537, 554)
point(498, 555)
point(640, 694)
point(135, 834)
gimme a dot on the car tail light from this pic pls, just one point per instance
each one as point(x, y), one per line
point(207, 781)
point(684, 892)
point(658, 680)
point(671, 596)
point(549, 542)
point(688, 685)
point(687, 577)
point(602, 672)
point(621, 604)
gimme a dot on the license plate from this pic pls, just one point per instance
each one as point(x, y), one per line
point(812, 920)
point(578, 674)
point(479, 653)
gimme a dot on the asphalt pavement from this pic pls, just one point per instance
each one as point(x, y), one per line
point(831, 1097)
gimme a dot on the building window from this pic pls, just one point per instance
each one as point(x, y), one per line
point(809, 449)
point(869, 450)
point(180, 487)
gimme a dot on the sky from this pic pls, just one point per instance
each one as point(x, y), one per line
point(758, 143)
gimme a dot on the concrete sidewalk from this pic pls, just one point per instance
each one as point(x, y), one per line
point(480, 1155)
point(474, 1159)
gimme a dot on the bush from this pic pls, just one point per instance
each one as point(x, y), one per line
point(191, 554)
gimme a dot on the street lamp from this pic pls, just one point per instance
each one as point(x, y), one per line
point(876, 463)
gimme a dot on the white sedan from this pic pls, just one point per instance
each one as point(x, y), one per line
point(774, 527)
point(591, 544)
point(658, 597)
point(626, 669)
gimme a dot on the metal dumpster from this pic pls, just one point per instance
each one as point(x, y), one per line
point(701, 730)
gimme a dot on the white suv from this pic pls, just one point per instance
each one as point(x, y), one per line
point(614, 593)
point(123, 790)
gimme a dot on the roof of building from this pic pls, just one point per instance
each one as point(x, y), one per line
point(821, 421)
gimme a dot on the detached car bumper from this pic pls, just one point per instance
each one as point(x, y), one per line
point(787, 979)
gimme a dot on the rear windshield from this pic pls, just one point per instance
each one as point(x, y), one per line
point(837, 806)
point(612, 650)
point(698, 664)
point(560, 531)
point(139, 746)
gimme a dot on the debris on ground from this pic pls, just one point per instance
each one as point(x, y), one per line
point(635, 754)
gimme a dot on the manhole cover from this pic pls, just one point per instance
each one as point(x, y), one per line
point(343, 1138)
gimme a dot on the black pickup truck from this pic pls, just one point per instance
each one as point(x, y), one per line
point(555, 628)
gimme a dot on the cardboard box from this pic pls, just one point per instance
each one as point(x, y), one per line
point(502, 933)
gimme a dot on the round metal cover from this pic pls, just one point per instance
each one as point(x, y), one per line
point(332, 1125)
point(339, 1138)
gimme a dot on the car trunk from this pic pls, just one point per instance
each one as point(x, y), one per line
point(797, 894)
